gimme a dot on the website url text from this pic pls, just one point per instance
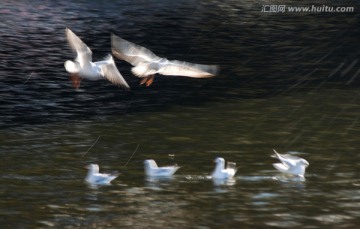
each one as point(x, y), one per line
point(306, 9)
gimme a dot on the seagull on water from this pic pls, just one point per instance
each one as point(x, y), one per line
point(84, 68)
point(152, 170)
point(221, 172)
point(147, 64)
point(290, 164)
point(95, 178)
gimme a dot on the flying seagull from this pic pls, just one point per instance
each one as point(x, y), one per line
point(290, 164)
point(221, 172)
point(147, 64)
point(84, 68)
point(95, 178)
point(152, 170)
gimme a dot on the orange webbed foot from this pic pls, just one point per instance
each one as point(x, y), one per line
point(147, 80)
point(76, 80)
point(150, 81)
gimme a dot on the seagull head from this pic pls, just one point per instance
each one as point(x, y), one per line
point(93, 168)
point(150, 164)
point(219, 160)
point(72, 67)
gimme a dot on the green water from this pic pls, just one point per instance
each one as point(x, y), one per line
point(42, 166)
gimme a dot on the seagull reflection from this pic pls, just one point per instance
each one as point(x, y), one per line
point(288, 178)
point(157, 183)
point(291, 181)
point(224, 182)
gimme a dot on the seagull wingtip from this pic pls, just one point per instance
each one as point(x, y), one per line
point(126, 87)
point(276, 155)
point(67, 30)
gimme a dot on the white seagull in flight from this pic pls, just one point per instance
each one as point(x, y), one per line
point(95, 178)
point(152, 170)
point(147, 64)
point(83, 67)
point(290, 164)
point(221, 172)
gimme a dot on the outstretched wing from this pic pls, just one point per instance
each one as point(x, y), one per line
point(136, 55)
point(83, 52)
point(130, 52)
point(286, 159)
point(180, 68)
point(112, 74)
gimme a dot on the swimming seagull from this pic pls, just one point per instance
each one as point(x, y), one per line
point(152, 170)
point(83, 67)
point(290, 164)
point(221, 172)
point(147, 64)
point(95, 178)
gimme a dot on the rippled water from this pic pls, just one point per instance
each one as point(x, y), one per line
point(287, 81)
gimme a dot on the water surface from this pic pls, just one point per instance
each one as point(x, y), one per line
point(287, 81)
